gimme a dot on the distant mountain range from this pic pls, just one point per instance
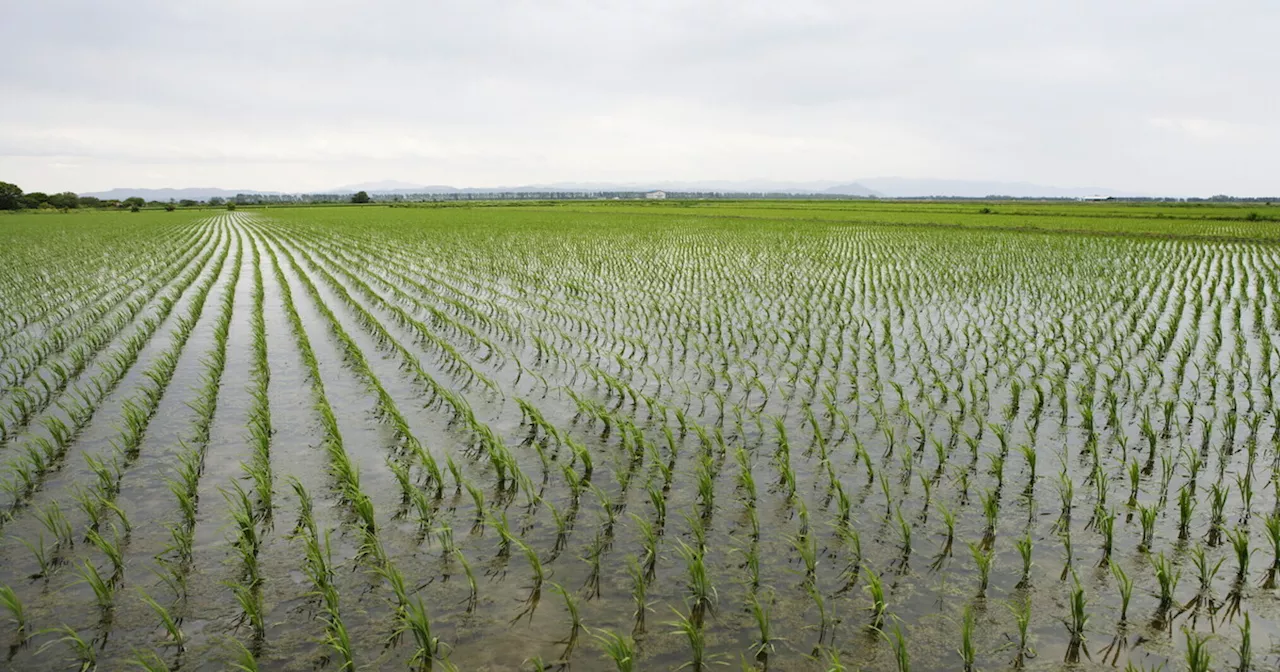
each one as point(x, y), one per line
point(880, 187)
point(905, 187)
point(718, 186)
point(887, 187)
point(193, 193)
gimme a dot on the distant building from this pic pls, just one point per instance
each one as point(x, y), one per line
point(655, 194)
point(1095, 198)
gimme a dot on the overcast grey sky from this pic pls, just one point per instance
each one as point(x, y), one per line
point(1158, 96)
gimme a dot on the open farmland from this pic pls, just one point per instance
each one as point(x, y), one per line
point(792, 435)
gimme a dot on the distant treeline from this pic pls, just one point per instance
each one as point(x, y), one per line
point(13, 198)
point(360, 197)
point(270, 199)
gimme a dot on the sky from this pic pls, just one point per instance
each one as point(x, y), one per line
point(1163, 97)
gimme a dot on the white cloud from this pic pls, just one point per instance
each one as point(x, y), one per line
point(1199, 129)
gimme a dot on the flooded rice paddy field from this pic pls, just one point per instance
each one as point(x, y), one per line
point(790, 437)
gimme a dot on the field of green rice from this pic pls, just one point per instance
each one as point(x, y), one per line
point(780, 435)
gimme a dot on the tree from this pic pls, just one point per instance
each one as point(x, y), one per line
point(186, 203)
point(36, 199)
point(64, 201)
point(10, 196)
point(360, 197)
point(215, 200)
point(134, 201)
point(90, 202)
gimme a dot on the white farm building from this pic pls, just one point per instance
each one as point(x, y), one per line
point(655, 194)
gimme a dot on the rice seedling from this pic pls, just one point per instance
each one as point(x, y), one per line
point(968, 652)
point(983, 558)
point(949, 520)
point(474, 592)
point(1244, 652)
point(1186, 507)
point(575, 617)
point(1271, 524)
point(1025, 547)
point(702, 593)
point(1239, 538)
point(888, 493)
point(1124, 585)
point(43, 555)
point(693, 633)
point(1135, 475)
point(901, 655)
point(997, 461)
point(879, 607)
point(697, 530)
point(990, 509)
point(249, 599)
point(1022, 618)
point(172, 625)
point(1217, 502)
point(904, 533)
point(619, 649)
point(1029, 454)
point(1206, 570)
point(761, 613)
point(594, 557)
point(1068, 553)
point(259, 473)
point(1079, 618)
point(1167, 579)
point(1066, 494)
point(639, 591)
point(1147, 515)
point(12, 604)
point(245, 660)
point(477, 497)
point(109, 505)
point(429, 648)
point(111, 549)
point(536, 569)
point(53, 520)
point(1106, 525)
point(338, 639)
point(824, 614)
point(182, 542)
point(1197, 653)
point(706, 486)
point(445, 536)
point(85, 652)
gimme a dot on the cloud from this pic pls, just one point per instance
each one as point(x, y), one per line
point(1206, 130)
point(1160, 97)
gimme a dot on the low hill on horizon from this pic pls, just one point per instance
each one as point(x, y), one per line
point(879, 187)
